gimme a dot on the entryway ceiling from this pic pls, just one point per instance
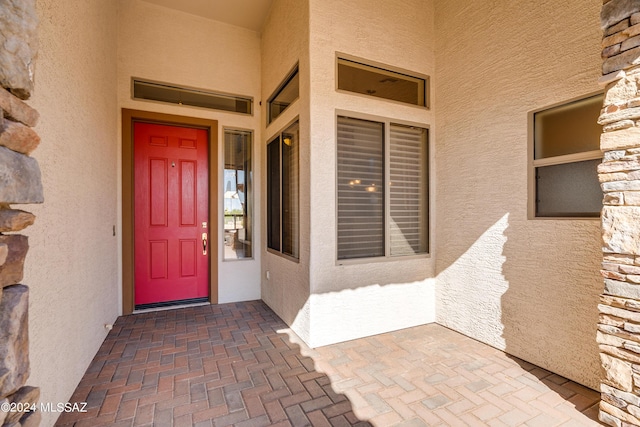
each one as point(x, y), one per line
point(248, 14)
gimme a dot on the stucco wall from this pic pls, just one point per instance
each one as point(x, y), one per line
point(529, 287)
point(71, 267)
point(161, 44)
point(351, 301)
point(285, 42)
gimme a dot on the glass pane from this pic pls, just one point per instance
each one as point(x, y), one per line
point(192, 97)
point(568, 129)
point(408, 190)
point(290, 215)
point(570, 189)
point(360, 189)
point(238, 195)
point(284, 96)
point(273, 194)
point(368, 80)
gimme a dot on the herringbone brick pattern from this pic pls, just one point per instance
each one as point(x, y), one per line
point(432, 376)
point(234, 365)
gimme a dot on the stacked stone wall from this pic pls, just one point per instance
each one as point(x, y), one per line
point(20, 183)
point(618, 333)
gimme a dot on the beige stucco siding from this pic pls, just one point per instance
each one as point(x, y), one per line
point(161, 44)
point(285, 42)
point(71, 267)
point(351, 301)
point(529, 287)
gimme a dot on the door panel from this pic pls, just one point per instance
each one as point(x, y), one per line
point(158, 192)
point(170, 208)
point(188, 208)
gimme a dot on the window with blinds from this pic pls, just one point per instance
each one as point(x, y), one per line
point(283, 215)
point(408, 190)
point(382, 189)
point(360, 189)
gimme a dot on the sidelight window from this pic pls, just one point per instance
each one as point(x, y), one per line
point(238, 194)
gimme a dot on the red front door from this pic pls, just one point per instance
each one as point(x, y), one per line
point(171, 214)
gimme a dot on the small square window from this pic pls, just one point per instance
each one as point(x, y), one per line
point(566, 153)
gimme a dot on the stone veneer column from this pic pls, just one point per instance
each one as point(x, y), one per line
point(618, 333)
point(19, 183)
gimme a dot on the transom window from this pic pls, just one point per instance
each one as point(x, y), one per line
point(284, 95)
point(383, 189)
point(371, 80)
point(174, 94)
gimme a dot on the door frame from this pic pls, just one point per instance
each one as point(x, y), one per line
point(129, 117)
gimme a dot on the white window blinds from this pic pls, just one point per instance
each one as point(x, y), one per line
point(360, 188)
point(370, 222)
point(408, 190)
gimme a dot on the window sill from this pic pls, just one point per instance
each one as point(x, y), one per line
point(281, 255)
point(375, 260)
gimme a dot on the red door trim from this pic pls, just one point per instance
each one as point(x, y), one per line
point(128, 118)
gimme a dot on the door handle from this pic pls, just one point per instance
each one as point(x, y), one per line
point(204, 243)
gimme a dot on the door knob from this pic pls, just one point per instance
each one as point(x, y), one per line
point(204, 243)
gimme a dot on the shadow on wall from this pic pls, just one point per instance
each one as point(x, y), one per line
point(470, 280)
point(525, 295)
point(368, 310)
point(532, 295)
point(550, 308)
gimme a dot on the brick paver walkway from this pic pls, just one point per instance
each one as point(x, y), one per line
point(238, 364)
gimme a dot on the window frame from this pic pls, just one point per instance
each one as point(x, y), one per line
point(295, 71)
point(181, 88)
point(387, 122)
point(274, 137)
point(534, 163)
point(384, 67)
point(249, 198)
